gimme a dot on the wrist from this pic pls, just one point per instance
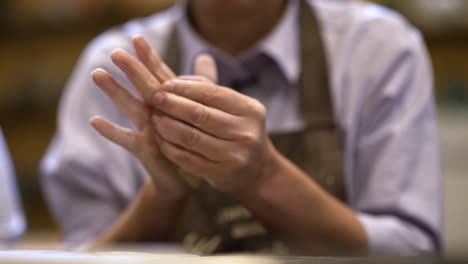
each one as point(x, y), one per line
point(171, 192)
point(157, 212)
point(269, 168)
point(167, 199)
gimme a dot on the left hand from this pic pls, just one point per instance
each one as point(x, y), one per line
point(147, 75)
point(212, 131)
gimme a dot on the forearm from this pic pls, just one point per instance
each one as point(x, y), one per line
point(149, 217)
point(294, 206)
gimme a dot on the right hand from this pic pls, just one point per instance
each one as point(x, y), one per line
point(147, 75)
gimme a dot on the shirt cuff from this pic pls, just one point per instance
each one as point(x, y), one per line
point(389, 235)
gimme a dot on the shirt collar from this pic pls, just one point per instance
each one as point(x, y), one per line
point(282, 43)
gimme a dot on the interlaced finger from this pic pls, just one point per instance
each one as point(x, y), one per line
point(152, 60)
point(143, 80)
point(210, 94)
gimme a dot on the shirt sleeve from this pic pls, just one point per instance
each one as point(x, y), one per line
point(394, 169)
point(88, 180)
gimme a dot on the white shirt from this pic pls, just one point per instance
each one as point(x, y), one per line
point(381, 87)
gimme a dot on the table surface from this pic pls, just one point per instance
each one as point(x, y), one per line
point(39, 248)
point(125, 257)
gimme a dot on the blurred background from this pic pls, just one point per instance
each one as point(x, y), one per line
point(41, 40)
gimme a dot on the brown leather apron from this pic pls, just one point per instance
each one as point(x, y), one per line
point(213, 222)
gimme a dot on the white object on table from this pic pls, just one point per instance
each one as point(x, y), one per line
point(12, 223)
point(67, 257)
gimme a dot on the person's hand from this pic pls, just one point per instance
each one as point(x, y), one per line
point(212, 131)
point(147, 74)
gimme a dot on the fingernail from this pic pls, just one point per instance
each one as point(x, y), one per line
point(137, 36)
point(94, 121)
point(169, 86)
point(96, 74)
point(98, 71)
point(159, 98)
point(115, 53)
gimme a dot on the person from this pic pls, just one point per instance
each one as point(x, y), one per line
point(12, 222)
point(293, 126)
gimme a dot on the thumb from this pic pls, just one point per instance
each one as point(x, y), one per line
point(205, 66)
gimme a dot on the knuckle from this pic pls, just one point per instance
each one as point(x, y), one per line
point(151, 82)
point(205, 79)
point(173, 154)
point(200, 115)
point(191, 138)
point(181, 157)
point(248, 138)
point(260, 109)
point(160, 71)
point(237, 160)
point(156, 61)
point(256, 108)
point(163, 147)
point(210, 93)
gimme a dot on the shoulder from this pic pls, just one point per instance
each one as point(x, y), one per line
point(368, 47)
point(364, 40)
point(354, 25)
point(356, 15)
